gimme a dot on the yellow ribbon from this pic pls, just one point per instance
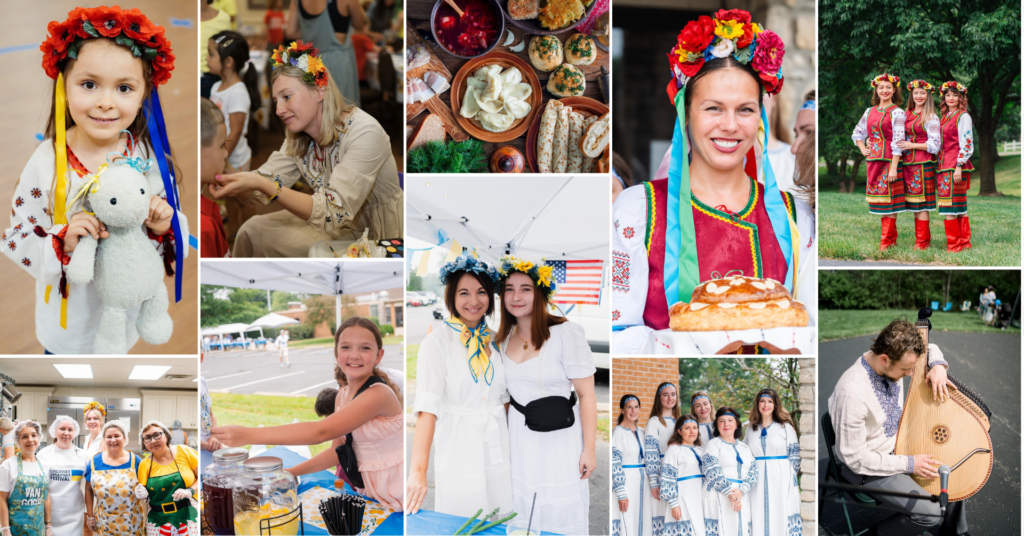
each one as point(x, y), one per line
point(92, 184)
point(61, 192)
point(475, 340)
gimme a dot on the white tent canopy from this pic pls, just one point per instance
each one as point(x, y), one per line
point(225, 329)
point(557, 218)
point(272, 320)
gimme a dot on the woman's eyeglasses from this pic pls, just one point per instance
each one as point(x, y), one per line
point(152, 437)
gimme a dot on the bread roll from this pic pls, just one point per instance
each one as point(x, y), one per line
point(596, 138)
point(545, 52)
point(738, 302)
point(575, 132)
point(580, 50)
point(588, 163)
point(567, 81)
point(546, 135)
point(523, 9)
point(560, 156)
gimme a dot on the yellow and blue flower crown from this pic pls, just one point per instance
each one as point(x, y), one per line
point(953, 85)
point(466, 263)
point(886, 77)
point(540, 274)
point(921, 84)
point(305, 56)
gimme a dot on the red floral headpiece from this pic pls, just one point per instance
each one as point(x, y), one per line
point(730, 33)
point(886, 77)
point(954, 85)
point(128, 28)
point(921, 84)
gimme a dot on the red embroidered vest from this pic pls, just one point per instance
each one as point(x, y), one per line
point(879, 140)
point(916, 133)
point(950, 147)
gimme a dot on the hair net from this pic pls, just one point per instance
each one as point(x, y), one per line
point(21, 426)
point(167, 433)
point(115, 424)
point(60, 419)
point(176, 425)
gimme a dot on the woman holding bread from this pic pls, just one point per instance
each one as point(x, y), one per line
point(548, 366)
point(632, 473)
point(710, 218)
point(772, 438)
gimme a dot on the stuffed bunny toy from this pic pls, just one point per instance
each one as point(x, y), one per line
point(126, 267)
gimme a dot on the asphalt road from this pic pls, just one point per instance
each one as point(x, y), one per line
point(990, 364)
point(258, 372)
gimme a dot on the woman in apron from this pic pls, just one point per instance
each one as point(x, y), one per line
point(95, 418)
point(65, 467)
point(168, 480)
point(24, 493)
point(110, 501)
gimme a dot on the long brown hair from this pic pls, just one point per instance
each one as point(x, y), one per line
point(540, 319)
point(929, 106)
point(368, 325)
point(657, 409)
point(779, 413)
point(622, 406)
point(961, 106)
point(694, 397)
point(897, 95)
point(677, 436)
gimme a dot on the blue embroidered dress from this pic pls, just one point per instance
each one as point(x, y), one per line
point(682, 483)
point(657, 444)
point(727, 466)
point(631, 476)
point(775, 500)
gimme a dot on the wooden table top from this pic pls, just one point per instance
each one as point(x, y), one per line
point(418, 16)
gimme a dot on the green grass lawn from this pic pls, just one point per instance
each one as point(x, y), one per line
point(254, 410)
point(328, 342)
point(843, 324)
point(846, 231)
point(604, 428)
point(411, 352)
point(1007, 178)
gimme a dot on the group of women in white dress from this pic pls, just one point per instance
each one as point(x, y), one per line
point(42, 493)
point(512, 414)
point(705, 473)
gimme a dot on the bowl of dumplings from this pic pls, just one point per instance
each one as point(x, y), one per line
point(495, 97)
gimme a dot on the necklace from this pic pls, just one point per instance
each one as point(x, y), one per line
point(525, 344)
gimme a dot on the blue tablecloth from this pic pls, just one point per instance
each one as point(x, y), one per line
point(325, 479)
point(429, 522)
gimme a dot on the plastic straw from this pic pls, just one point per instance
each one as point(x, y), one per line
point(532, 506)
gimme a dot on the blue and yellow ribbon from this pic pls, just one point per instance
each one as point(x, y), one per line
point(475, 340)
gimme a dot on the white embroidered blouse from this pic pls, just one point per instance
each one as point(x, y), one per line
point(860, 132)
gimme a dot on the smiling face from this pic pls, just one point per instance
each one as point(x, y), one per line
point(952, 99)
point(298, 104)
point(884, 91)
point(114, 439)
point(28, 439)
point(726, 427)
point(65, 433)
point(471, 300)
point(357, 353)
point(632, 410)
point(723, 124)
point(105, 89)
point(765, 405)
point(702, 408)
point(803, 128)
point(518, 294)
point(689, 432)
point(668, 397)
point(919, 95)
point(94, 420)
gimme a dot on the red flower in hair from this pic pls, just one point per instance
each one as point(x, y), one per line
point(772, 83)
point(163, 64)
point(302, 47)
point(747, 37)
point(106, 20)
point(62, 34)
point(137, 26)
point(50, 58)
point(733, 14)
point(697, 35)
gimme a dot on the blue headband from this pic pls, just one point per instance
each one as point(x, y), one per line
point(765, 395)
point(689, 420)
point(664, 386)
point(729, 413)
point(628, 398)
point(810, 105)
point(698, 398)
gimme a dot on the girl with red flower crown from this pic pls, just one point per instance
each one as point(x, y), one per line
point(955, 166)
point(920, 147)
point(878, 135)
point(719, 212)
point(106, 63)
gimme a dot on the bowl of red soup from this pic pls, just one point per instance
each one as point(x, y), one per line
point(473, 34)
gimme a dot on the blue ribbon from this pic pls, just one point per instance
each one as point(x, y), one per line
point(691, 477)
point(734, 480)
point(633, 466)
point(776, 207)
point(673, 240)
point(771, 458)
point(162, 148)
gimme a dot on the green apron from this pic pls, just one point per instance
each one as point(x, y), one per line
point(25, 504)
point(163, 510)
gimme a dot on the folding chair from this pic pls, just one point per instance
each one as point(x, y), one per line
point(935, 306)
point(833, 472)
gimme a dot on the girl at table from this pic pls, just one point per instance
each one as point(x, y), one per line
point(168, 479)
point(24, 487)
point(65, 467)
point(682, 480)
point(545, 356)
point(772, 438)
point(339, 150)
point(878, 135)
point(460, 402)
point(660, 426)
point(95, 418)
point(954, 171)
point(921, 129)
point(631, 475)
point(729, 475)
point(704, 410)
point(369, 418)
point(111, 480)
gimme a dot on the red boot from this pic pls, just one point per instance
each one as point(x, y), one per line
point(952, 235)
point(965, 231)
point(924, 234)
point(887, 225)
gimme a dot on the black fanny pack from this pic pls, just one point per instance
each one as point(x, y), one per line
point(346, 455)
point(549, 413)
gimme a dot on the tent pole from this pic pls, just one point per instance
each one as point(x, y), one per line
point(269, 309)
point(337, 310)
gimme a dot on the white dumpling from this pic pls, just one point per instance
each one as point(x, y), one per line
point(494, 87)
point(511, 76)
point(490, 105)
point(518, 108)
point(495, 122)
point(470, 106)
point(517, 91)
point(475, 82)
point(482, 72)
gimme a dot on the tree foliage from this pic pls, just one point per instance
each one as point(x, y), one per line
point(904, 289)
point(735, 382)
point(223, 305)
point(976, 43)
point(279, 299)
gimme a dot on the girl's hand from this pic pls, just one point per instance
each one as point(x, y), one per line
point(892, 174)
point(957, 175)
point(235, 184)
point(735, 496)
point(677, 513)
point(82, 224)
point(231, 436)
point(212, 444)
point(656, 493)
point(415, 491)
point(91, 522)
point(903, 144)
point(623, 505)
point(160, 214)
point(588, 462)
point(863, 150)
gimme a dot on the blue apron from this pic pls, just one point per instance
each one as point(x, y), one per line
point(25, 504)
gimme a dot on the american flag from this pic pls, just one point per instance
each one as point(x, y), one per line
point(577, 281)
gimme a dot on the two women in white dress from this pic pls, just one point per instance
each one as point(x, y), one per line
point(486, 457)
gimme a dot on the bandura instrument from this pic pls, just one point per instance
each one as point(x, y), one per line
point(954, 432)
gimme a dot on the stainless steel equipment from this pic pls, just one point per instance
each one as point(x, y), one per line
point(127, 410)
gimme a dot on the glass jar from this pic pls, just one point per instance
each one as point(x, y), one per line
point(219, 479)
point(266, 492)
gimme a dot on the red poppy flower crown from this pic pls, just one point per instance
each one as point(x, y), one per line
point(730, 33)
point(885, 77)
point(921, 84)
point(128, 28)
point(953, 85)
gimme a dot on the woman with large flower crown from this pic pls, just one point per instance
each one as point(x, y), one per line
point(460, 402)
point(709, 218)
point(921, 128)
point(954, 175)
point(877, 135)
point(339, 150)
point(548, 367)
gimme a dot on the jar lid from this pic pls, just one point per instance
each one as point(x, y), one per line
point(231, 454)
point(263, 463)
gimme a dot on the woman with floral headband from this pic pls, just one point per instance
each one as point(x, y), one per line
point(918, 161)
point(631, 475)
point(729, 475)
point(460, 402)
point(107, 64)
point(548, 366)
point(878, 135)
point(954, 173)
point(682, 480)
point(771, 436)
point(710, 218)
point(660, 425)
point(339, 150)
point(95, 418)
